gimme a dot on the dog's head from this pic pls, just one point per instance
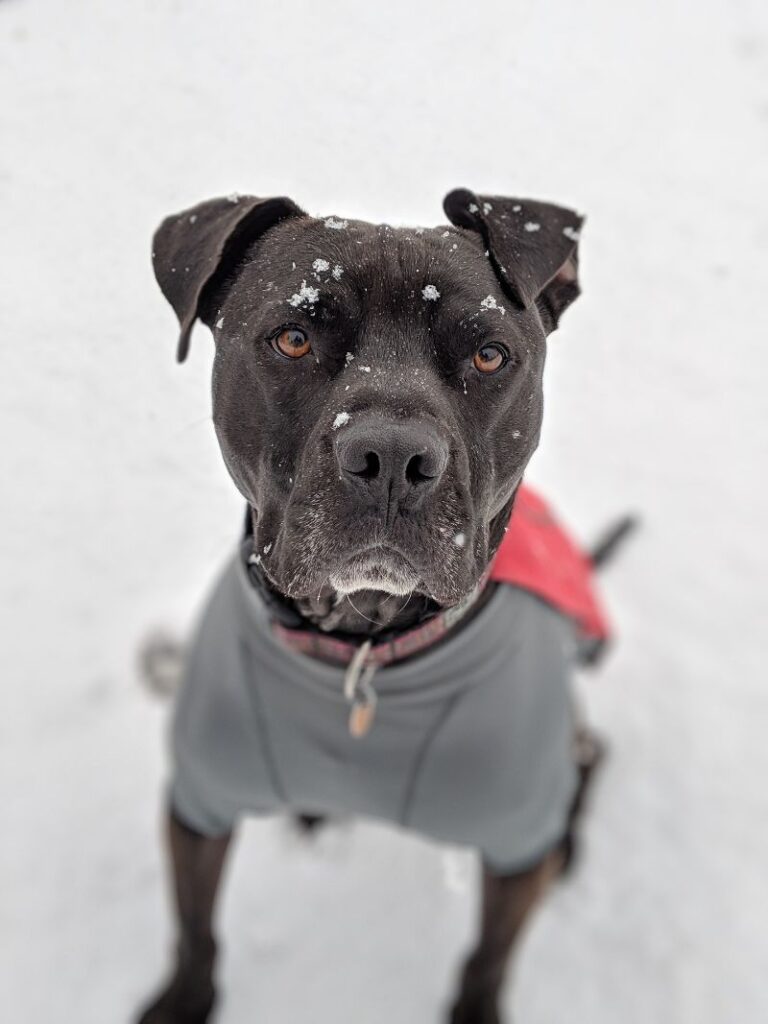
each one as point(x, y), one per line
point(377, 391)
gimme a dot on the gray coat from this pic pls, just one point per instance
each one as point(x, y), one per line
point(471, 743)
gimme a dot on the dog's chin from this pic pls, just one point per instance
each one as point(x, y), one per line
point(378, 569)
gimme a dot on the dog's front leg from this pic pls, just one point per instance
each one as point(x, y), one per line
point(506, 903)
point(196, 863)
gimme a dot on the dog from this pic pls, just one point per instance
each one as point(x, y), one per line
point(377, 396)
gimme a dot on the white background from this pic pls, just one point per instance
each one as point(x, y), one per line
point(117, 511)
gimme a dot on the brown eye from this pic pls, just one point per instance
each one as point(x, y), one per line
point(291, 342)
point(489, 358)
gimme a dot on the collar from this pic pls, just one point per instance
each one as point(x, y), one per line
point(387, 649)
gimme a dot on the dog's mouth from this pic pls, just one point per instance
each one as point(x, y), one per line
point(379, 567)
point(320, 546)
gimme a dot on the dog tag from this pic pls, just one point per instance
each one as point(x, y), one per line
point(360, 692)
point(361, 718)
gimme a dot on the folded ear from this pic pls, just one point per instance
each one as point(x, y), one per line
point(195, 249)
point(533, 247)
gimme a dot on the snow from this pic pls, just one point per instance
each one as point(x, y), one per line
point(335, 223)
point(341, 420)
point(118, 511)
point(307, 294)
point(320, 265)
point(571, 233)
point(220, 322)
point(531, 226)
point(337, 271)
point(430, 293)
point(489, 302)
point(460, 539)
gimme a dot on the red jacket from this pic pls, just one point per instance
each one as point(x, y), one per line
point(538, 555)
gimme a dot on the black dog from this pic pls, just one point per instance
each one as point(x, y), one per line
point(377, 395)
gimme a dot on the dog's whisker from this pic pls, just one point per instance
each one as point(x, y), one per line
point(362, 615)
point(404, 605)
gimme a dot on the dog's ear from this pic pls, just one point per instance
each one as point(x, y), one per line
point(195, 249)
point(533, 247)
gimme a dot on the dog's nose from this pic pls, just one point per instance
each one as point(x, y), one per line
point(391, 461)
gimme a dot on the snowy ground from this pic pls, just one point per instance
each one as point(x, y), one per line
point(656, 124)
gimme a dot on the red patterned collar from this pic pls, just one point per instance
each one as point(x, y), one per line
point(386, 651)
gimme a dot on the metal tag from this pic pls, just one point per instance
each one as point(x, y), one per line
point(361, 717)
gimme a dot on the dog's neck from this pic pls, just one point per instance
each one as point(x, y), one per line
point(366, 612)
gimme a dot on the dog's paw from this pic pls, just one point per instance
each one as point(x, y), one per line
point(476, 1010)
point(178, 1005)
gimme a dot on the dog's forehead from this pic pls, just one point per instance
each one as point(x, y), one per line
point(444, 263)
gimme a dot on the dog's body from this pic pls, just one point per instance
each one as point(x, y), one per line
point(377, 396)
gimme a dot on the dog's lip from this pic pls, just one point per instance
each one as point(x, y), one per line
point(379, 557)
point(380, 547)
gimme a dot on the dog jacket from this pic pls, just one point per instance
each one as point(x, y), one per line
point(472, 741)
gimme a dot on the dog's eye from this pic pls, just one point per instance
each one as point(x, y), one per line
point(490, 358)
point(291, 342)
